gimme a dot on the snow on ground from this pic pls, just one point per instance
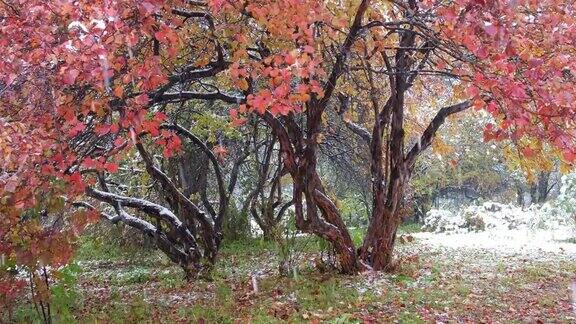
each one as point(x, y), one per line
point(505, 229)
point(504, 242)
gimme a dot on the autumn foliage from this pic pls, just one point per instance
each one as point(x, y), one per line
point(84, 84)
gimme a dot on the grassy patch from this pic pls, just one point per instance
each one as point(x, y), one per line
point(536, 272)
point(135, 276)
point(93, 247)
point(428, 286)
point(407, 228)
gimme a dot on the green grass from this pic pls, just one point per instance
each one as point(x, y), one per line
point(357, 234)
point(407, 228)
point(134, 276)
point(535, 272)
point(93, 247)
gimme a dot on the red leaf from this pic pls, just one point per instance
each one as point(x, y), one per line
point(118, 142)
point(528, 152)
point(70, 76)
point(142, 99)
point(569, 156)
point(112, 167)
point(102, 129)
point(473, 91)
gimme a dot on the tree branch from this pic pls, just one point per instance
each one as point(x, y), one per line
point(355, 128)
point(187, 95)
point(342, 56)
point(217, 170)
point(430, 132)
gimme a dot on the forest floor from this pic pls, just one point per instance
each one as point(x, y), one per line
point(435, 283)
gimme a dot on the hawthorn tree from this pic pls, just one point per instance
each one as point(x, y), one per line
point(472, 53)
point(85, 83)
point(440, 46)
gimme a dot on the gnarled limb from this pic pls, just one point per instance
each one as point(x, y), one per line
point(428, 135)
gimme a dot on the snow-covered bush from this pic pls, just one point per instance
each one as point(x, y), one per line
point(441, 220)
point(496, 216)
point(566, 201)
point(474, 222)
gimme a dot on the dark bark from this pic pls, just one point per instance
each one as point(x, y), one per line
point(534, 193)
point(543, 187)
point(186, 233)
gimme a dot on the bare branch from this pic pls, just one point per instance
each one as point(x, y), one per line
point(187, 95)
point(355, 128)
point(430, 132)
point(217, 169)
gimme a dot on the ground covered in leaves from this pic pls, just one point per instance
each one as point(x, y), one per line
point(434, 283)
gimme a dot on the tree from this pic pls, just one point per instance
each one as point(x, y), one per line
point(105, 68)
point(408, 42)
point(265, 198)
point(112, 70)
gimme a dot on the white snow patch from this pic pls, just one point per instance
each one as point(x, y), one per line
point(505, 242)
point(508, 229)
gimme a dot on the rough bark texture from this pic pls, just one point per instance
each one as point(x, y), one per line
point(543, 187)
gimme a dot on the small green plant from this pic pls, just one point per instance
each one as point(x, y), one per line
point(532, 273)
point(171, 281)
point(224, 293)
point(546, 301)
point(402, 278)
point(60, 302)
point(64, 295)
point(462, 290)
point(205, 314)
point(134, 311)
point(501, 266)
point(410, 318)
point(344, 319)
point(289, 248)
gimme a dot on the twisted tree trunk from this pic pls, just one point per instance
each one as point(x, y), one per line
point(187, 233)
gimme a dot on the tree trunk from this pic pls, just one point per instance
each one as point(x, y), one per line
point(520, 195)
point(270, 234)
point(533, 193)
point(270, 228)
point(347, 258)
point(543, 189)
point(379, 249)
